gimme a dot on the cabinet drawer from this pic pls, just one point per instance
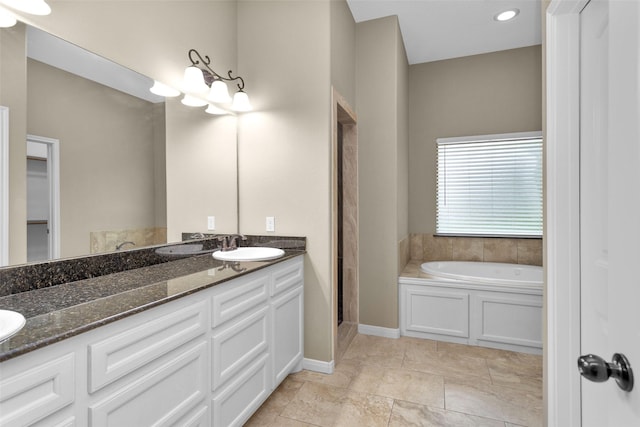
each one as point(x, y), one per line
point(139, 343)
point(37, 392)
point(163, 397)
point(233, 298)
point(287, 275)
point(237, 402)
point(236, 345)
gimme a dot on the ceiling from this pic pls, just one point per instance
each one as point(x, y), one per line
point(433, 30)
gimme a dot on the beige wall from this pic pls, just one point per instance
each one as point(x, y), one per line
point(201, 171)
point(13, 87)
point(107, 153)
point(484, 94)
point(381, 95)
point(343, 51)
point(284, 146)
point(154, 44)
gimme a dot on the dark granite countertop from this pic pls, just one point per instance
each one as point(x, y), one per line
point(58, 312)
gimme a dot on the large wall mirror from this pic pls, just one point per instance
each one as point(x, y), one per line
point(97, 162)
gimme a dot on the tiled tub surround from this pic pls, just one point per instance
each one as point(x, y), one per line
point(427, 247)
point(62, 299)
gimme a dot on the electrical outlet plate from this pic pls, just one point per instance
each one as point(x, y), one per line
point(271, 223)
point(211, 223)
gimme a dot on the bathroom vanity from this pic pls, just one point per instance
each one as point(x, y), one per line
point(212, 347)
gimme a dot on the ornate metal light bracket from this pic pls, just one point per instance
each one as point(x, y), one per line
point(209, 74)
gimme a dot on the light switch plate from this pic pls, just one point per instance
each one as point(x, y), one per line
point(211, 223)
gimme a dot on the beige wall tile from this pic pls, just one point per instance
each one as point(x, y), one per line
point(437, 248)
point(404, 253)
point(530, 251)
point(500, 250)
point(467, 248)
point(417, 253)
point(426, 247)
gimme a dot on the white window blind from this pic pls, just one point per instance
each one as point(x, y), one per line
point(490, 185)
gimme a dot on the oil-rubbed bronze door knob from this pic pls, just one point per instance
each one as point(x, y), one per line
point(596, 369)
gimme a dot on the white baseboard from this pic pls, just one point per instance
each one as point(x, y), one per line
point(378, 331)
point(318, 366)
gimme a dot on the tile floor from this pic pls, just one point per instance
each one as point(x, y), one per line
point(411, 382)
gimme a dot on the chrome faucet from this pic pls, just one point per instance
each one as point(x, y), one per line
point(229, 242)
point(119, 246)
point(197, 236)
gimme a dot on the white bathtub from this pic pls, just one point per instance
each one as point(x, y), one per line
point(485, 272)
point(487, 304)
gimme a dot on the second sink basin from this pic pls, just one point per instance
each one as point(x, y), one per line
point(10, 323)
point(249, 254)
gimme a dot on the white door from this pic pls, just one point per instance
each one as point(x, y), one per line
point(609, 206)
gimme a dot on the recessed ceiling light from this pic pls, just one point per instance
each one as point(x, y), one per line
point(507, 15)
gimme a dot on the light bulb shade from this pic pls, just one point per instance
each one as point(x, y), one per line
point(219, 92)
point(193, 81)
point(33, 7)
point(212, 109)
point(192, 101)
point(7, 19)
point(162, 89)
point(241, 102)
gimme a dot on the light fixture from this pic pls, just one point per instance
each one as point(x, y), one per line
point(506, 15)
point(162, 89)
point(212, 109)
point(241, 102)
point(200, 78)
point(7, 19)
point(33, 7)
point(193, 101)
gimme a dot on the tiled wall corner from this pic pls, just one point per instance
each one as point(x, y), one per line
point(426, 247)
point(404, 253)
point(415, 246)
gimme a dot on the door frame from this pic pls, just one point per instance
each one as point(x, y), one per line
point(341, 113)
point(4, 186)
point(53, 178)
point(562, 213)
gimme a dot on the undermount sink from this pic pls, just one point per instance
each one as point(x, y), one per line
point(249, 254)
point(182, 250)
point(10, 323)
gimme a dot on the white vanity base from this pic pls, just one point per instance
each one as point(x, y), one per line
point(207, 359)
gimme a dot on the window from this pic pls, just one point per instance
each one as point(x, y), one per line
point(490, 185)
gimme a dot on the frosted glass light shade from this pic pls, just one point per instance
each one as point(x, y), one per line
point(219, 92)
point(193, 81)
point(192, 101)
point(212, 109)
point(7, 19)
point(241, 102)
point(162, 89)
point(33, 7)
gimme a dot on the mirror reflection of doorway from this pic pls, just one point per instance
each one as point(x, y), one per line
point(42, 198)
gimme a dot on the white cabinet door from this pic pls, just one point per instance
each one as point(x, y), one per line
point(287, 312)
